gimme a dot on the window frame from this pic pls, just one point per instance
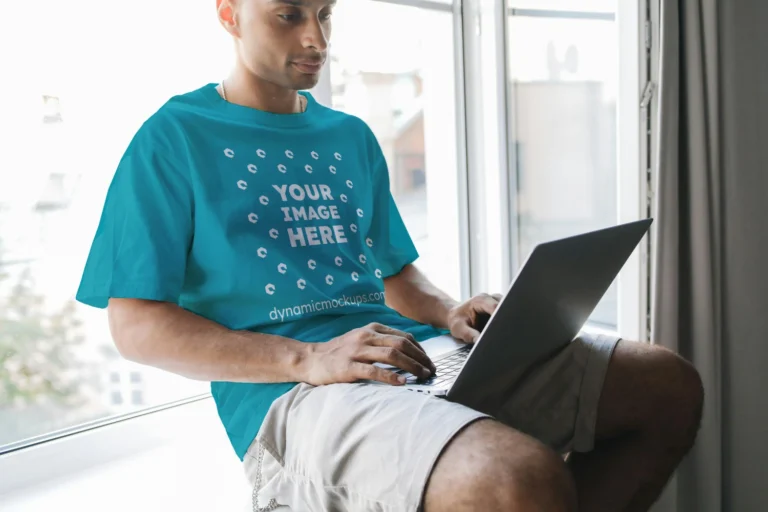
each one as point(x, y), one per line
point(634, 160)
point(457, 9)
point(491, 183)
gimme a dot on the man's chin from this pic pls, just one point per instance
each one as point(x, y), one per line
point(302, 81)
point(305, 82)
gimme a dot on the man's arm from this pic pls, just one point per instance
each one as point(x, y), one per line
point(411, 294)
point(166, 336)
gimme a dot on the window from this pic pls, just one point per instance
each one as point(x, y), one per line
point(137, 397)
point(563, 92)
point(500, 130)
point(65, 122)
point(403, 87)
point(418, 178)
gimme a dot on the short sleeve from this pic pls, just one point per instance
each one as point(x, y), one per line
point(145, 231)
point(392, 245)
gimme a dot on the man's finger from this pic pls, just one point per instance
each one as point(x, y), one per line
point(387, 355)
point(409, 348)
point(363, 371)
point(497, 296)
point(466, 333)
point(383, 329)
point(486, 305)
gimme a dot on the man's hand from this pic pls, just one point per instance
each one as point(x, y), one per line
point(467, 319)
point(350, 357)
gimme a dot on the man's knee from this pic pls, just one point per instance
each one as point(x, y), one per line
point(675, 396)
point(492, 467)
point(687, 397)
point(651, 389)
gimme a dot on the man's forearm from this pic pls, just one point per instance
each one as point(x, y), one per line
point(166, 336)
point(411, 294)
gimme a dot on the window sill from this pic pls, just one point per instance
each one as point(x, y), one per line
point(173, 459)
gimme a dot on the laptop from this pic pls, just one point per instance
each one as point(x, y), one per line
point(544, 309)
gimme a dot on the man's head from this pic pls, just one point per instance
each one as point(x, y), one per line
point(284, 42)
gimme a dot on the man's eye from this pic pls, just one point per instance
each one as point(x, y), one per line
point(289, 17)
point(326, 16)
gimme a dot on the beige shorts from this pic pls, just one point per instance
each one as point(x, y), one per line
point(361, 447)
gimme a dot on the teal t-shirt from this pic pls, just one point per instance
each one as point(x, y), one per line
point(275, 223)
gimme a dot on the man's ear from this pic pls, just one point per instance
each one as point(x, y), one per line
point(227, 16)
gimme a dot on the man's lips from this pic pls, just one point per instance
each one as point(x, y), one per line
point(308, 67)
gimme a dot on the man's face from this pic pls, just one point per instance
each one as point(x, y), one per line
point(284, 42)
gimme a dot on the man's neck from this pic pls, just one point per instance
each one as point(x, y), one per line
point(244, 88)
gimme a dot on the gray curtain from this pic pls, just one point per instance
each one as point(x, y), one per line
point(711, 238)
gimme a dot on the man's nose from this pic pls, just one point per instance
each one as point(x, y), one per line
point(315, 37)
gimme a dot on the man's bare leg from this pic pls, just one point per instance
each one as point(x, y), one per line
point(648, 418)
point(489, 466)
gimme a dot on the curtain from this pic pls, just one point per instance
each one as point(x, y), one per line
point(711, 239)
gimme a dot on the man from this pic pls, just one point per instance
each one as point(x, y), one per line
point(249, 239)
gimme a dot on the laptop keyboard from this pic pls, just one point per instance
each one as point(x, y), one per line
point(447, 369)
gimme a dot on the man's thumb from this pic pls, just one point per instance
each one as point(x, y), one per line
point(466, 333)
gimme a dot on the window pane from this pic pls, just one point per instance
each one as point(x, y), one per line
point(137, 397)
point(68, 109)
point(403, 87)
point(563, 90)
